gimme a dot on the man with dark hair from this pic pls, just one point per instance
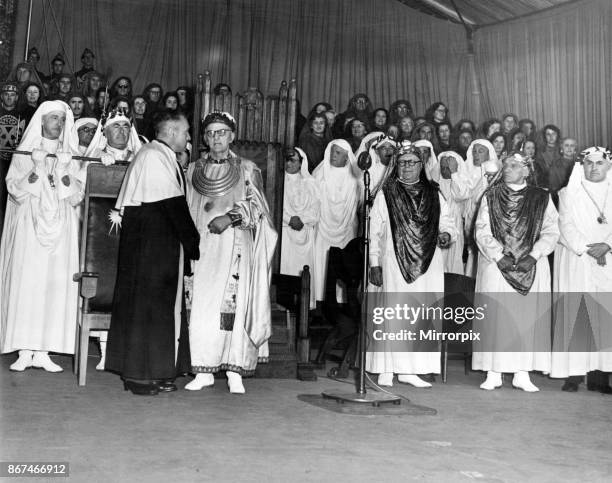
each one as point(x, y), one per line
point(157, 236)
point(230, 320)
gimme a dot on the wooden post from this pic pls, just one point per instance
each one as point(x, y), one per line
point(291, 114)
point(282, 113)
point(197, 119)
point(207, 94)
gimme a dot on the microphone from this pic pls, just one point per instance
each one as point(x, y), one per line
point(364, 161)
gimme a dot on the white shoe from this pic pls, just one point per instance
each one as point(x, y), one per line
point(100, 366)
point(23, 361)
point(493, 381)
point(413, 380)
point(234, 382)
point(521, 381)
point(202, 379)
point(385, 379)
point(42, 360)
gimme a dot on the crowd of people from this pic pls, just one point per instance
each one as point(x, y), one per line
point(490, 200)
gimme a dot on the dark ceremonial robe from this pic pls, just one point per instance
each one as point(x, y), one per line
point(516, 219)
point(414, 214)
point(148, 291)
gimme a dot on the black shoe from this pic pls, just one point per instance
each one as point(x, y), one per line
point(141, 389)
point(166, 386)
point(570, 387)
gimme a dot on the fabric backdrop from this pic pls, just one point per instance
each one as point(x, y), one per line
point(555, 66)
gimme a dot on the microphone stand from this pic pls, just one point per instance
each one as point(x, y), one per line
point(361, 395)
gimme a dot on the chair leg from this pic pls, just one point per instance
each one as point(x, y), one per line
point(83, 350)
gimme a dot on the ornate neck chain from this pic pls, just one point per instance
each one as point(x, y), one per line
point(215, 188)
point(601, 219)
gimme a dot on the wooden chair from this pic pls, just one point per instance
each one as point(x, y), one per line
point(99, 250)
point(458, 292)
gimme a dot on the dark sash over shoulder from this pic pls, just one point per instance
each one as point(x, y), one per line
point(516, 219)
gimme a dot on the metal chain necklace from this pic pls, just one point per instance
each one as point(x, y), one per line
point(601, 219)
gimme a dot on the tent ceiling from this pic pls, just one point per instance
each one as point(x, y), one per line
point(478, 12)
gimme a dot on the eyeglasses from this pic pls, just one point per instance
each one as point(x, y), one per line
point(123, 86)
point(408, 163)
point(219, 132)
point(89, 130)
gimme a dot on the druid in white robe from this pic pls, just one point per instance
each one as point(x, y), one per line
point(301, 199)
point(582, 341)
point(230, 320)
point(456, 190)
point(428, 283)
point(515, 331)
point(39, 250)
point(476, 170)
point(340, 194)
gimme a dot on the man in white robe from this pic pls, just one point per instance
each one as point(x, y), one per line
point(230, 320)
point(582, 341)
point(516, 229)
point(301, 208)
point(39, 248)
point(480, 163)
point(410, 224)
point(455, 187)
point(115, 140)
point(339, 190)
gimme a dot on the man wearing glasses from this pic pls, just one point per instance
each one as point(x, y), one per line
point(230, 314)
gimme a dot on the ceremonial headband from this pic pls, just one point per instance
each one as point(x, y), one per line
point(596, 153)
point(406, 147)
point(222, 117)
point(382, 139)
point(114, 116)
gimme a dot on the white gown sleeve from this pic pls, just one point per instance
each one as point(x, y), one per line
point(488, 245)
point(549, 234)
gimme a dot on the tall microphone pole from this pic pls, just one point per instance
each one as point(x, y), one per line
point(361, 395)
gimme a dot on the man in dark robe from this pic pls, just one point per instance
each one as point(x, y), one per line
point(157, 236)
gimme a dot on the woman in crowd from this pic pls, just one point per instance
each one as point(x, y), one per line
point(314, 139)
point(498, 141)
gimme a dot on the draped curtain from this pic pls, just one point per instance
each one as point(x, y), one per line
point(554, 67)
point(333, 48)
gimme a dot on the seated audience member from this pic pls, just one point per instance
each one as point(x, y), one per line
point(443, 134)
point(489, 127)
point(358, 127)
point(153, 94)
point(509, 123)
point(62, 88)
point(121, 103)
point(498, 141)
point(121, 87)
point(30, 100)
point(465, 124)
point(359, 105)
point(79, 105)
point(528, 127)
point(548, 144)
point(57, 69)
point(142, 123)
point(530, 150)
point(463, 141)
point(399, 109)
point(170, 102)
point(314, 139)
point(92, 82)
point(380, 120)
point(405, 127)
point(515, 140)
point(87, 66)
point(437, 113)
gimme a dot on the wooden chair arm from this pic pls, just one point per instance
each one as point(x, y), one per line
point(88, 283)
